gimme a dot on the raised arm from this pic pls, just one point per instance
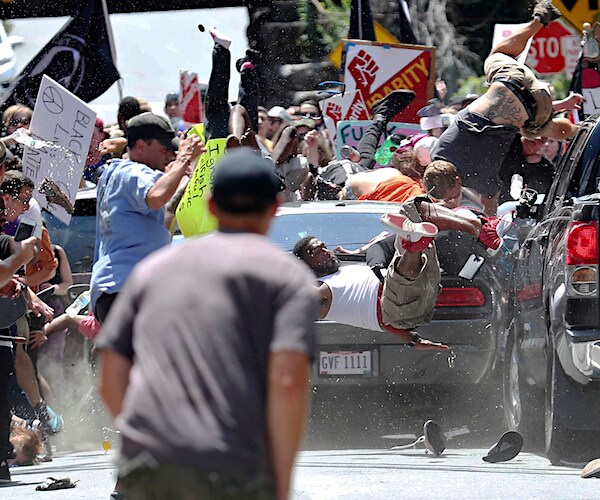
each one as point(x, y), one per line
point(166, 186)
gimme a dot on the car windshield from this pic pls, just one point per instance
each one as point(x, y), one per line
point(349, 230)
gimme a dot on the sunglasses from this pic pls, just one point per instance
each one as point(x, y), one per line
point(20, 121)
point(25, 202)
point(311, 115)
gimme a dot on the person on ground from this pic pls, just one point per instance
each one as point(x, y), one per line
point(257, 320)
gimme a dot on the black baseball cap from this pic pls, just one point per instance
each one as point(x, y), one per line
point(244, 182)
point(151, 126)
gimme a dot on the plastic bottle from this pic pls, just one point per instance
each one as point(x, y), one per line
point(516, 186)
point(386, 151)
point(80, 302)
point(591, 48)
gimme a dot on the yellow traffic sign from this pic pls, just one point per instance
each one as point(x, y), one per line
point(381, 34)
point(577, 12)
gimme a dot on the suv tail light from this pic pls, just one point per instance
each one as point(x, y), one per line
point(460, 297)
point(582, 243)
point(582, 259)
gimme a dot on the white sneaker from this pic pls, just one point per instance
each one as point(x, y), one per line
point(407, 229)
point(219, 37)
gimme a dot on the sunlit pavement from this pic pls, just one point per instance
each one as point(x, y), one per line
point(94, 472)
point(348, 474)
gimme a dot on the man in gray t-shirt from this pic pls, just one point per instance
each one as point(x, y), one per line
point(206, 353)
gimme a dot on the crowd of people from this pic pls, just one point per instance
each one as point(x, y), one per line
point(222, 328)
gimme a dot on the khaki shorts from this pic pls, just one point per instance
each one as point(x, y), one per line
point(500, 66)
point(406, 303)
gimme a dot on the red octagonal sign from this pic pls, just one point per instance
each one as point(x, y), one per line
point(554, 49)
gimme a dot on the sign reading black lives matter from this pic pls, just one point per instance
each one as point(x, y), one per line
point(60, 118)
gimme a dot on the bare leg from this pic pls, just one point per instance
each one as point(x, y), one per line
point(516, 43)
point(239, 121)
point(241, 127)
point(286, 146)
point(26, 375)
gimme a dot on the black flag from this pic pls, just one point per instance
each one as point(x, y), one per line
point(361, 21)
point(407, 35)
point(78, 57)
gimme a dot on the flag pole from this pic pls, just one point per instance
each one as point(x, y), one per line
point(111, 43)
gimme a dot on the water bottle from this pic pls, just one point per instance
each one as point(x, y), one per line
point(516, 186)
point(80, 302)
point(591, 48)
point(386, 151)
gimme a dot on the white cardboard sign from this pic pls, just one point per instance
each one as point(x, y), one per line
point(63, 119)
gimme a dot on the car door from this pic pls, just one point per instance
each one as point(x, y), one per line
point(538, 269)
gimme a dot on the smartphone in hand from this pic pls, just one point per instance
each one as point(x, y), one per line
point(25, 229)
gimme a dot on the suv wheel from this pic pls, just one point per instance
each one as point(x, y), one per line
point(523, 405)
point(559, 440)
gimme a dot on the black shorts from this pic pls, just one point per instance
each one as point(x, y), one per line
point(477, 147)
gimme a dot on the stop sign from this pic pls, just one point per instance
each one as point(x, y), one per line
point(554, 49)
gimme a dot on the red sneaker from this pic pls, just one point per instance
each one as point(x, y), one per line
point(407, 229)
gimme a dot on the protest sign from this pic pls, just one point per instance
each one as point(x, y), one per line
point(350, 132)
point(190, 98)
point(60, 118)
point(372, 70)
point(553, 49)
point(192, 212)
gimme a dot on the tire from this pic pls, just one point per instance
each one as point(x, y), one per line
point(523, 405)
point(559, 439)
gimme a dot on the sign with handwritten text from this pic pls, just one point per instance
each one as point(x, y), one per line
point(350, 132)
point(61, 118)
point(192, 212)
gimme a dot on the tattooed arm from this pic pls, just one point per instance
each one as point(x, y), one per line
point(501, 106)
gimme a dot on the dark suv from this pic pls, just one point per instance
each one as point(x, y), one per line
point(552, 350)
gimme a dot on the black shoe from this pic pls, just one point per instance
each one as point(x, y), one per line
point(434, 441)
point(251, 57)
point(546, 11)
point(507, 448)
point(393, 103)
point(4, 472)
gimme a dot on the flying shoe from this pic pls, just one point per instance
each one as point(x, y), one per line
point(507, 448)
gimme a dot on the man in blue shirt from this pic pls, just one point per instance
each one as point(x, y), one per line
point(132, 194)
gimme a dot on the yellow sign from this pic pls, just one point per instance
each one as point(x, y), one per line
point(577, 12)
point(192, 212)
point(381, 35)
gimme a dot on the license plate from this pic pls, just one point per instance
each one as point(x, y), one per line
point(346, 363)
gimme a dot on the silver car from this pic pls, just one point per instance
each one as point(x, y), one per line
point(468, 313)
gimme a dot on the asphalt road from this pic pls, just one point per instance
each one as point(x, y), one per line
point(349, 474)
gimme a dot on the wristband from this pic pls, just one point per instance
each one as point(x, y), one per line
point(415, 340)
